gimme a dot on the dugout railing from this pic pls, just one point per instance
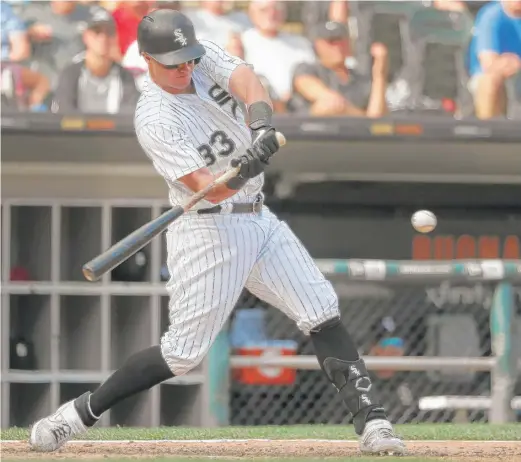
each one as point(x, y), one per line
point(505, 363)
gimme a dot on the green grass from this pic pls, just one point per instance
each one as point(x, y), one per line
point(475, 432)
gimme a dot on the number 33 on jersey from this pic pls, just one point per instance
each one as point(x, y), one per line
point(186, 132)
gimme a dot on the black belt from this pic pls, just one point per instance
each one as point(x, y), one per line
point(249, 207)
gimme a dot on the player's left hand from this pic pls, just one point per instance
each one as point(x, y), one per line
point(265, 143)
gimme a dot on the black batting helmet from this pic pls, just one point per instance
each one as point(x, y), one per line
point(168, 36)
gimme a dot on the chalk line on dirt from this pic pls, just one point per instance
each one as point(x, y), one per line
point(262, 441)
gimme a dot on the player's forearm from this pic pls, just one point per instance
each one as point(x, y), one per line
point(220, 193)
point(199, 179)
point(247, 87)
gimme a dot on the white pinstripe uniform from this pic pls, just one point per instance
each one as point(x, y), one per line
point(211, 258)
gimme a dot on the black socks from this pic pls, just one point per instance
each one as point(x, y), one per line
point(140, 372)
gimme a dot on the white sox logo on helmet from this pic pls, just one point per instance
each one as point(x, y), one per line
point(179, 37)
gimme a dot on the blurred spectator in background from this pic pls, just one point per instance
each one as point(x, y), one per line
point(127, 16)
point(15, 41)
point(495, 55)
point(55, 30)
point(273, 53)
point(315, 13)
point(109, 5)
point(22, 88)
point(96, 83)
point(213, 21)
point(329, 88)
point(447, 5)
point(163, 4)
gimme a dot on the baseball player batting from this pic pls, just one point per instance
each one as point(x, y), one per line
point(202, 110)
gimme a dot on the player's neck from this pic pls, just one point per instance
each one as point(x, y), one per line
point(189, 90)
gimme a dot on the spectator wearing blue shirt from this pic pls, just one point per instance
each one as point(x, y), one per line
point(15, 41)
point(494, 55)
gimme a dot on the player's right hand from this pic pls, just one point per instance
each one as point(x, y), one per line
point(255, 160)
point(250, 165)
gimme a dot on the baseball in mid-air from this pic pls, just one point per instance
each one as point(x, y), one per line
point(424, 221)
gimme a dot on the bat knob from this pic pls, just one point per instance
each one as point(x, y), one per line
point(89, 274)
point(281, 139)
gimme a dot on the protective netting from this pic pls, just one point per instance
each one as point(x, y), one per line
point(438, 320)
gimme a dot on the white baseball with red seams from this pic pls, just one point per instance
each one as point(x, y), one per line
point(424, 221)
point(211, 258)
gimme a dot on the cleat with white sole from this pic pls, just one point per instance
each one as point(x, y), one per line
point(378, 438)
point(52, 432)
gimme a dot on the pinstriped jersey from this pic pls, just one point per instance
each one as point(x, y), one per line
point(184, 133)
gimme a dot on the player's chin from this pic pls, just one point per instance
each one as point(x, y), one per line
point(181, 81)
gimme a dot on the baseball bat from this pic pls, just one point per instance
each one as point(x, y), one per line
point(129, 245)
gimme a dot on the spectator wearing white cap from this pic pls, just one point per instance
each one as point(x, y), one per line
point(96, 83)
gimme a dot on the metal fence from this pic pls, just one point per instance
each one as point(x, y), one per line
point(449, 319)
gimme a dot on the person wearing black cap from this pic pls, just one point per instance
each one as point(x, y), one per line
point(95, 83)
point(189, 124)
point(329, 88)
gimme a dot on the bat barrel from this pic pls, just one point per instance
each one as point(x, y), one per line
point(128, 246)
point(111, 258)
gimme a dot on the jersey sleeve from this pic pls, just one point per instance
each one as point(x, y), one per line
point(219, 64)
point(172, 155)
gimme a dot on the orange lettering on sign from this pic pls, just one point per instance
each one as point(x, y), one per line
point(443, 248)
point(511, 248)
point(488, 246)
point(465, 247)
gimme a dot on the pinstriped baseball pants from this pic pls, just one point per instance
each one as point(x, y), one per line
point(211, 258)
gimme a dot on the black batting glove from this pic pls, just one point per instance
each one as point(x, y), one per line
point(250, 165)
point(264, 136)
point(265, 144)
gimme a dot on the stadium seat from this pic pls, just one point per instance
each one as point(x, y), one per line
point(385, 22)
point(436, 70)
point(452, 335)
point(513, 87)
